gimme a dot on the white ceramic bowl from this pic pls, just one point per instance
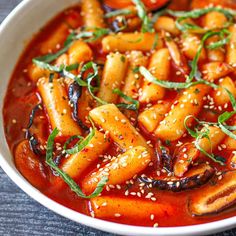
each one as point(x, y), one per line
point(15, 32)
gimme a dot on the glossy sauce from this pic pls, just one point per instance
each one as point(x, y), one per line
point(22, 96)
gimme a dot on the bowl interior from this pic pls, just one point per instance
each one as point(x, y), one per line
point(15, 33)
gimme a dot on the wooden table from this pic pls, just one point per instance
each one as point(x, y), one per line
point(21, 215)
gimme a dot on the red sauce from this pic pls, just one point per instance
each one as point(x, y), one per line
point(22, 96)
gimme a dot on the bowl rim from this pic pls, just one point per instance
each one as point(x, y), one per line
point(103, 225)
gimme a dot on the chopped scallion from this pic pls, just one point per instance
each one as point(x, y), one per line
point(68, 180)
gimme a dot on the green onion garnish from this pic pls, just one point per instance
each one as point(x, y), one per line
point(198, 135)
point(134, 106)
point(68, 180)
point(194, 64)
point(120, 12)
point(142, 13)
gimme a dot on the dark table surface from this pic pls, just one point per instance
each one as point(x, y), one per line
point(21, 215)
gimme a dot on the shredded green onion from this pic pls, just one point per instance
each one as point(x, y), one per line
point(223, 118)
point(120, 12)
point(81, 144)
point(90, 77)
point(198, 135)
point(194, 64)
point(63, 70)
point(224, 40)
point(198, 13)
point(142, 13)
point(68, 180)
point(89, 36)
point(134, 106)
point(172, 85)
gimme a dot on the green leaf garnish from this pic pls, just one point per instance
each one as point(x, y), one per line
point(68, 180)
point(47, 66)
point(134, 106)
point(52, 57)
point(142, 13)
point(189, 27)
point(63, 70)
point(194, 64)
point(70, 140)
point(98, 33)
point(136, 69)
point(232, 99)
point(90, 77)
point(194, 14)
point(225, 116)
point(89, 36)
point(172, 85)
point(168, 142)
point(205, 134)
point(199, 134)
point(224, 40)
point(226, 129)
point(120, 12)
point(72, 67)
point(82, 143)
point(155, 41)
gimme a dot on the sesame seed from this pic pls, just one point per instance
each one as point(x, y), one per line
point(118, 186)
point(123, 121)
point(155, 225)
point(139, 194)
point(223, 146)
point(185, 155)
point(220, 177)
point(104, 204)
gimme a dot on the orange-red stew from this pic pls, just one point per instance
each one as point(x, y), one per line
point(137, 105)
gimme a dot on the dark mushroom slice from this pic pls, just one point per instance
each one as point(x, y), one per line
point(33, 141)
point(196, 177)
point(164, 159)
point(232, 161)
point(119, 24)
point(74, 93)
point(34, 144)
point(215, 198)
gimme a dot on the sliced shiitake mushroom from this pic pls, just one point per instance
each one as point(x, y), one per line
point(232, 161)
point(74, 94)
point(164, 159)
point(196, 177)
point(215, 198)
point(35, 130)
